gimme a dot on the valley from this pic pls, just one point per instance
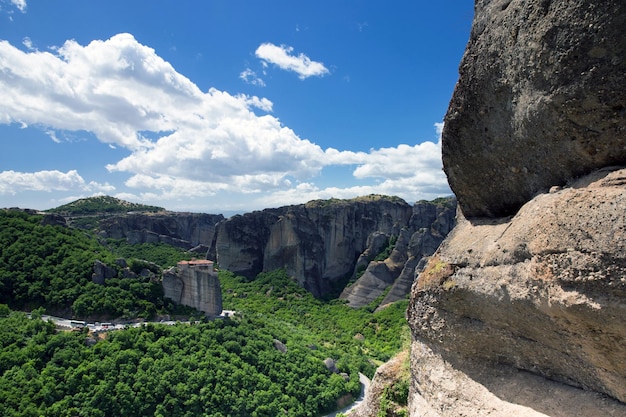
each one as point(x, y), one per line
point(164, 358)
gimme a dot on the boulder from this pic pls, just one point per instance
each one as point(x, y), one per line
point(540, 100)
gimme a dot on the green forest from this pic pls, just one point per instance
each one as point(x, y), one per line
point(223, 367)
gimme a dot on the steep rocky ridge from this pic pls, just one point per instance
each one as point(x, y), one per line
point(418, 239)
point(521, 309)
point(183, 230)
point(317, 243)
point(540, 100)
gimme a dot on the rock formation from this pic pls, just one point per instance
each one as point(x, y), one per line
point(194, 284)
point(319, 243)
point(540, 100)
point(429, 224)
point(389, 378)
point(521, 309)
point(183, 230)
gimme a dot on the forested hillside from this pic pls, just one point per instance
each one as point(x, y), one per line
point(51, 266)
point(219, 368)
point(271, 359)
point(102, 204)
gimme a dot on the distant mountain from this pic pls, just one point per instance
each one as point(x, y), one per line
point(102, 204)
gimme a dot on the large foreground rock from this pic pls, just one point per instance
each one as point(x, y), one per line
point(540, 100)
point(543, 292)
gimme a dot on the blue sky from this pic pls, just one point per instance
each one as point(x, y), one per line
point(225, 106)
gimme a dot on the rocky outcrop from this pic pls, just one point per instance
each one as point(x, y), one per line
point(540, 100)
point(543, 291)
point(102, 272)
point(52, 219)
point(429, 224)
point(183, 230)
point(386, 393)
point(521, 309)
point(194, 284)
point(320, 242)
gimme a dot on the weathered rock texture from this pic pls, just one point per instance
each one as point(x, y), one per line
point(387, 377)
point(194, 284)
point(543, 292)
point(540, 100)
point(317, 243)
point(320, 242)
point(183, 230)
point(428, 226)
point(521, 309)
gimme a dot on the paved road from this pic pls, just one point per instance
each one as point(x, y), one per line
point(103, 327)
point(365, 384)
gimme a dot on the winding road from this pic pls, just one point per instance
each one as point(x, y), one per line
point(365, 384)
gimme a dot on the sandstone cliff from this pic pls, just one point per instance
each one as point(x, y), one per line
point(319, 243)
point(183, 230)
point(194, 284)
point(521, 309)
point(429, 224)
point(541, 292)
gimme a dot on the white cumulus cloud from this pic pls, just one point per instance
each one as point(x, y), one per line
point(182, 141)
point(282, 57)
point(20, 4)
point(12, 182)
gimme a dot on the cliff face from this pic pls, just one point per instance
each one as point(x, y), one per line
point(521, 309)
point(318, 243)
point(194, 284)
point(416, 241)
point(183, 230)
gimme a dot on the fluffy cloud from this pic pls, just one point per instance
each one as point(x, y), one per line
point(19, 4)
point(182, 141)
point(250, 77)
point(12, 182)
point(281, 57)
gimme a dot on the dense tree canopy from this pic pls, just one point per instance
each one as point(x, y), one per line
point(218, 368)
point(228, 367)
point(51, 266)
